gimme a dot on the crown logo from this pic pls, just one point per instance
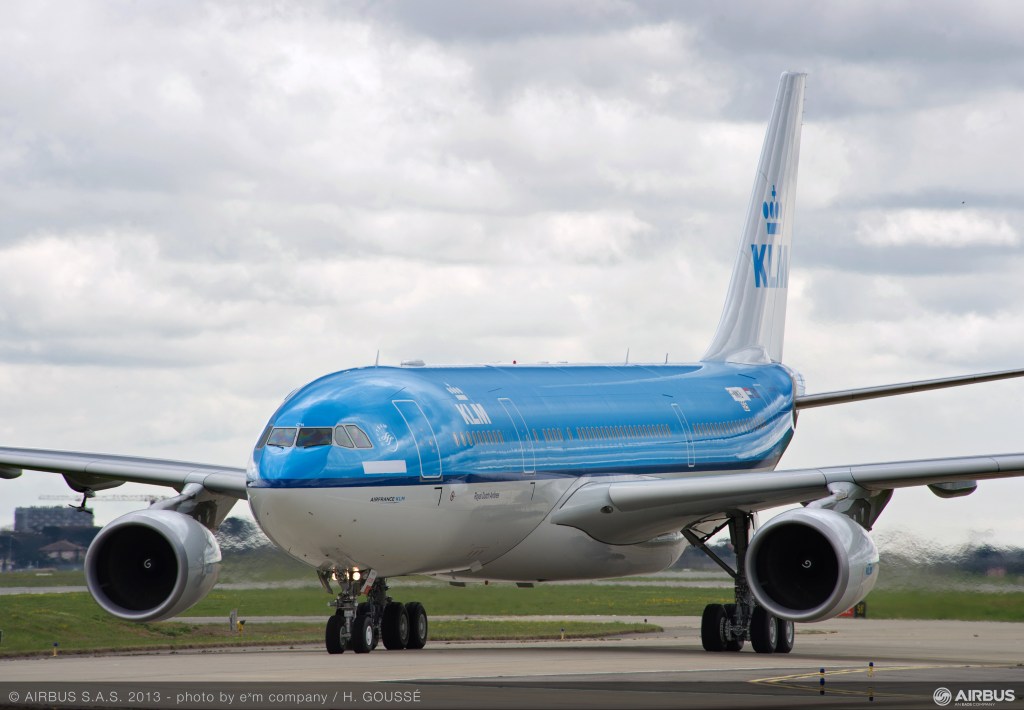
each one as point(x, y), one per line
point(772, 213)
point(456, 391)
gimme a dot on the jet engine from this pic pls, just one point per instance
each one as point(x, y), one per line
point(811, 564)
point(151, 565)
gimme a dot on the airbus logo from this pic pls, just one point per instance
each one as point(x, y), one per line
point(972, 697)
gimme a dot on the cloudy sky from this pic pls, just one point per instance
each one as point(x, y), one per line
point(203, 206)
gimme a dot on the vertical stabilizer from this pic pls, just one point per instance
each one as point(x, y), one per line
point(754, 318)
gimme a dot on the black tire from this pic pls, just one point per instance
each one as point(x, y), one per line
point(712, 628)
point(785, 636)
point(368, 609)
point(332, 637)
point(362, 634)
point(732, 645)
point(394, 628)
point(418, 625)
point(764, 632)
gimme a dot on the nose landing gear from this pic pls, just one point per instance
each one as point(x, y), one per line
point(361, 626)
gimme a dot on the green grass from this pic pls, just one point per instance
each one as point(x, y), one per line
point(54, 578)
point(493, 599)
point(934, 604)
point(31, 623)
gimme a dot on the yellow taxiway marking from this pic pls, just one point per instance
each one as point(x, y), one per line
point(791, 681)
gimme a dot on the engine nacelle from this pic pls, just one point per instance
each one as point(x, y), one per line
point(151, 565)
point(811, 564)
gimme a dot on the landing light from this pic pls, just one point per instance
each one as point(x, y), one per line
point(355, 575)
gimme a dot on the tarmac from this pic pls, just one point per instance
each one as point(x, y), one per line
point(839, 663)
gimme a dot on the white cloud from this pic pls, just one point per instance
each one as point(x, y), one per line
point(936, 228)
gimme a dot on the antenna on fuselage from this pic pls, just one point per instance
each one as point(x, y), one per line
point(666, 358)
point(627, 356)
point(376, 362)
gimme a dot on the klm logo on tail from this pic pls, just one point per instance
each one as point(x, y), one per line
point(771, 262)
point(772, 212)
point(771, 265)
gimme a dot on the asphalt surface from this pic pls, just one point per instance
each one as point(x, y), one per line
point(840, 663)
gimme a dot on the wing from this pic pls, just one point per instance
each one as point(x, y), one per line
point(632, 512)
point(857, 395)
point(88, 472)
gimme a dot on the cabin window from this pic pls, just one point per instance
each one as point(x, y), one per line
point(282, 436)
point(313, 436)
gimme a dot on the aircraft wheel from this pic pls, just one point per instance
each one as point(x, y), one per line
point(395, 627)
point(732, 645)
point(363, 635)
point(764, 631)
point(785, 636)
point(418, 626)
point(332, 637)
point(712, 628)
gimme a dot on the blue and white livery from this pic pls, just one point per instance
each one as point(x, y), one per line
point(537, 473)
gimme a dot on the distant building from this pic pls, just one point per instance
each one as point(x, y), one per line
point(33, 520)
point(63, 551)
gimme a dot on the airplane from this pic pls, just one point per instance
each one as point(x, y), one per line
point(534, 473)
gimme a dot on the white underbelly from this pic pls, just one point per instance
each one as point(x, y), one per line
point(399, 530)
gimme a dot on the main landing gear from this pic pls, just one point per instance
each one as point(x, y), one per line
point(361, 626)
point(726, 627)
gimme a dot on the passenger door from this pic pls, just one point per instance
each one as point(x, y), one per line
point(427, 451)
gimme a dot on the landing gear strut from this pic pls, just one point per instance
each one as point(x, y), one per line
point(725, 627)
point(361, 626)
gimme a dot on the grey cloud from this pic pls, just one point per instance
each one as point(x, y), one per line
point(239, 197)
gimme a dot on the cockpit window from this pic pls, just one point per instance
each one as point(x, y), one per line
point(263, 437)
point(282, 436)
point(313, 436)
point(361, 440)
point(341, 437)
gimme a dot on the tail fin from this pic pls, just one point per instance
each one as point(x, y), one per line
point(754, 318)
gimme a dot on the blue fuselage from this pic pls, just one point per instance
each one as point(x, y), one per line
point(503, 423)
point(365, 461)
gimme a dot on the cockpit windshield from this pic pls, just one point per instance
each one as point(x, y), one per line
point(348, 436)
point(313, 436)
point(282, 436)
point(341, 437)
point(361, 440)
